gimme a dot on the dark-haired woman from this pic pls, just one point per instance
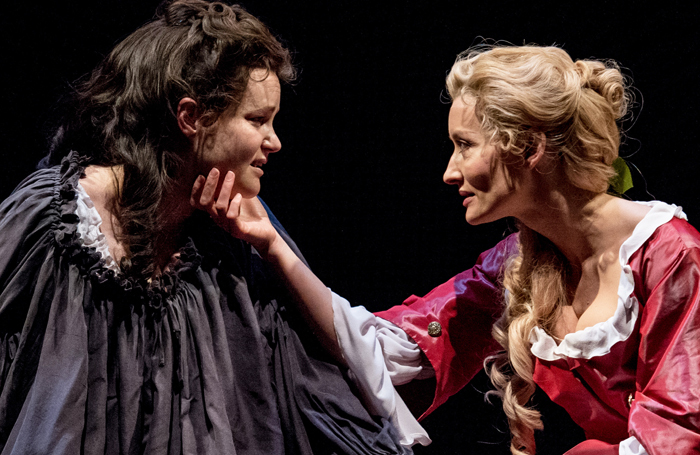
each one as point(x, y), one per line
point(596, 299)
point(129, 321)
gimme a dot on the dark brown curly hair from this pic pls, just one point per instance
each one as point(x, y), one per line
point(124, 113)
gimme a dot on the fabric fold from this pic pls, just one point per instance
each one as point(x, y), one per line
point(208, 358)
point(379, 355)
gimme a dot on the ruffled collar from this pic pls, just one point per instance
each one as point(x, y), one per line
point(92, 257)
point(89, 228)
point(599, 339)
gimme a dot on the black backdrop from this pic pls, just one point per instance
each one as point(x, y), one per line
point(358, 182)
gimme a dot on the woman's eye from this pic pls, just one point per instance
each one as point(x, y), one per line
point(258, 120)
point(464, 146)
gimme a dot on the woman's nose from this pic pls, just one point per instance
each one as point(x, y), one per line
point(272, 143)
point(452, 176)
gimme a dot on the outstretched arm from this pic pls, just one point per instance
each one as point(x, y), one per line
point(247, 220)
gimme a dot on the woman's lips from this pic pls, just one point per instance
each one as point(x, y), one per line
point(467, 198)
point(258, 164)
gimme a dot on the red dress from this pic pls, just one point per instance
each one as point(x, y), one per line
point(635, 376)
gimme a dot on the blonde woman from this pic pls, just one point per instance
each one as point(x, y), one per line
point(595, 299)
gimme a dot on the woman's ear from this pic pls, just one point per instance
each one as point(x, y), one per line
point(187, 117)
point(536, 152)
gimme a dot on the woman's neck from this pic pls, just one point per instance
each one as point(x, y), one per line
point(174, 209)
point(102, 184)
point(584, 225)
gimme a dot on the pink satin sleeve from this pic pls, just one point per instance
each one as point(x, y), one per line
point(594, 447)
point(665, 413)
point(462, 311)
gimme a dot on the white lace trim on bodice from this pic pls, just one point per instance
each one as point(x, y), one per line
point(598, 339)
point(89, 222)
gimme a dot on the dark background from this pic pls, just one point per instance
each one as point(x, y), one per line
point(358, 182)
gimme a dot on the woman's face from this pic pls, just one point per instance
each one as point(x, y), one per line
point(476, 169)
point(242, 139)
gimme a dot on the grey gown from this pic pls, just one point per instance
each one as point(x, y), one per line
point(208, 359)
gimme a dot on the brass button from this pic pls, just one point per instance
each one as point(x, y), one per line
point(630, 399)
point(434, 329)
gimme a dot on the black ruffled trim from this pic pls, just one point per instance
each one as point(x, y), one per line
point(117, 286)
point(66, 204)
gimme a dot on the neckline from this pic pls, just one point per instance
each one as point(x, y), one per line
point(88, 258)
point(598, 339)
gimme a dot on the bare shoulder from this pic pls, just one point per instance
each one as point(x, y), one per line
point(101, 184)
point(630, 212)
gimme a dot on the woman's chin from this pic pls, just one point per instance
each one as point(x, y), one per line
point(248, 191)
point(474, 222)
point(472, 219)
point(477, 219)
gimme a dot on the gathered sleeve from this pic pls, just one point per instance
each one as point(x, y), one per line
point(38, 337)
point(26, 220)
point(452, 323)
point(665, 412)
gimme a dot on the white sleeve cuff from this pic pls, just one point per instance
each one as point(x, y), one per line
point(379, 355)
point(631, 446)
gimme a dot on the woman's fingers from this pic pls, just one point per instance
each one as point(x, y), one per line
point(235, 208)
point(208, 190)
point(222, 202)
point(245, 219)
point(223, 209)
point(196, 191)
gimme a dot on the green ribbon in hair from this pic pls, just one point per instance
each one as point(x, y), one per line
point(622, 180)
